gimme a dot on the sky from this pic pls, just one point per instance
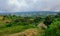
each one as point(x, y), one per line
point(29, 5)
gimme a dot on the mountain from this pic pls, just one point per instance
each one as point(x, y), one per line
point(34, 13)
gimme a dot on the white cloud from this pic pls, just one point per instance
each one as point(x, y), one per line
point(29, 5)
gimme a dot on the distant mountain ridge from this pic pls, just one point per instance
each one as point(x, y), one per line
point(30, 13)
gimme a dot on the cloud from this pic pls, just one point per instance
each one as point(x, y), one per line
point(29, 5)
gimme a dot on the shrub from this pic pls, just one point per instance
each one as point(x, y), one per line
point(48, 20)
point(54, 29)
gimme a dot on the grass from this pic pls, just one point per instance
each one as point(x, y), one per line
point(25, 27)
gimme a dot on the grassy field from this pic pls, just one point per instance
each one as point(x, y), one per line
point(12, 25)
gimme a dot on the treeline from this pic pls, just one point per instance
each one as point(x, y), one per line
point(11, 20)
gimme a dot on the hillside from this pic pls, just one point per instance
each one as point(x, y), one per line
point(13, 25)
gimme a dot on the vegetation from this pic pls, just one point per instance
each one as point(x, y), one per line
point(11, 24)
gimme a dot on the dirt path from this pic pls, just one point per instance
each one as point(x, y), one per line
point(29, 32)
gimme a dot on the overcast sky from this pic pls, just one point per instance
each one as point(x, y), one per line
point(29, 5)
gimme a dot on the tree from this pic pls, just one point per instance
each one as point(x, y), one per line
point(4, 17)
point(54, 29)
point(48, 20)
point(57, 16)
point(37, 19)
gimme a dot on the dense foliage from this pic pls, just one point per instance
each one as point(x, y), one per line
point(10, 24)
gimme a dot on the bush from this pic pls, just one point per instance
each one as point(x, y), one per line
point(48, 20)
point(54, 29)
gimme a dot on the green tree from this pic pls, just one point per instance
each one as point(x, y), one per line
point(48, 20)
point(54, 29)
